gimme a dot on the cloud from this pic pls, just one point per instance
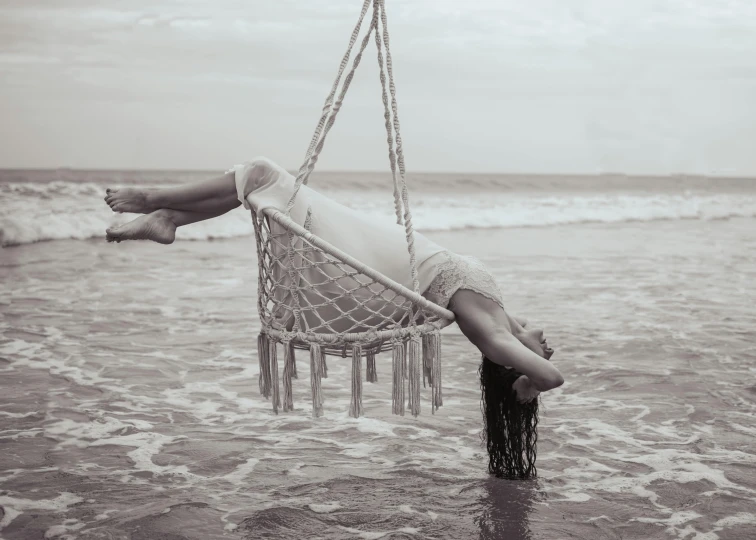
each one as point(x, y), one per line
point(649, 85)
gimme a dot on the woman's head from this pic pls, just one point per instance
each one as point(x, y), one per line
point(509, 426)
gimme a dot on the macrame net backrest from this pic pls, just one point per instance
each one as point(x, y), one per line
point(313, 296)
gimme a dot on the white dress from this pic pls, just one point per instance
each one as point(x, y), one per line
point(379, 244)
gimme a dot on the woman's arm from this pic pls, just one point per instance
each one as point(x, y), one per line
point(487, 326)
point(505, 349)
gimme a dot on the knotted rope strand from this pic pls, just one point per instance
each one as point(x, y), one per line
point(389, 132)
point(329, 99)
point(321, 131)
point(316, 145)
point(389, 139)
point(408, 227)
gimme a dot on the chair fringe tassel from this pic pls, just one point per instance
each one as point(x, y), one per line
point(398, 363)
point(294, 373)
point(263, 343)
point(355, 407)
point(372, 374)
point(323, 366)
point(272, 347)
point(432, 368)
point(290, 371)
point(316, 365)
point(412, 359)
point(427, 375)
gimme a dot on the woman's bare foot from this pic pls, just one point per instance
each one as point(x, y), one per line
point(128, 200)
point(156, 226)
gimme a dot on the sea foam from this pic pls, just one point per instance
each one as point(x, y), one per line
point(58, 210)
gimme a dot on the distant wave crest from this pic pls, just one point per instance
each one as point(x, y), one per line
point(59, 210)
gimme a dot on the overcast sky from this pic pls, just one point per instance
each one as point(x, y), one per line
point(641, 86)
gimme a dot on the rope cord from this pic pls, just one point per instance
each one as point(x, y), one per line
point(387, 115)
point(329, 99)
point(327, 119)
point(389, 132)
point(391, 117)
point(335, 111)
point(408, 227)
point(329, 109)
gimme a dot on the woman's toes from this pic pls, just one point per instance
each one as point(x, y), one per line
point(155, 227)
point(127, 200)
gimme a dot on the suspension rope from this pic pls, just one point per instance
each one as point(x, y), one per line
point(389, 132)
point(329, 99)
point(408, 226)
point(331, 109)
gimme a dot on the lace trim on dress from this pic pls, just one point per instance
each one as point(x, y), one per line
point(461, 272)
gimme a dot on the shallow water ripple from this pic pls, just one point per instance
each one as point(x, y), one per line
point(130, 409)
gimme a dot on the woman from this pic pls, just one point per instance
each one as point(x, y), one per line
point(515, 367)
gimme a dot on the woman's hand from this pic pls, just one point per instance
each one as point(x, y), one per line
point(524, 389)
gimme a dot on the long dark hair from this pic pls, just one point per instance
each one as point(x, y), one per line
point(509, 427)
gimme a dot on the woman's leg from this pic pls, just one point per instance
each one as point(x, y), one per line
point(215, 196)
point(159, 226)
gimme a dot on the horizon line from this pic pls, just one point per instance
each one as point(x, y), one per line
point(388, 172)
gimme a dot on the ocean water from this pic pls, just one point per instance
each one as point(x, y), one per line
point(129, 406)
point(67, 204)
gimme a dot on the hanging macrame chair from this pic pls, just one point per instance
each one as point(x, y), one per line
point(370, 313)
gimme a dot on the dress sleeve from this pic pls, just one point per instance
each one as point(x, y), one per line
point(253, 175)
